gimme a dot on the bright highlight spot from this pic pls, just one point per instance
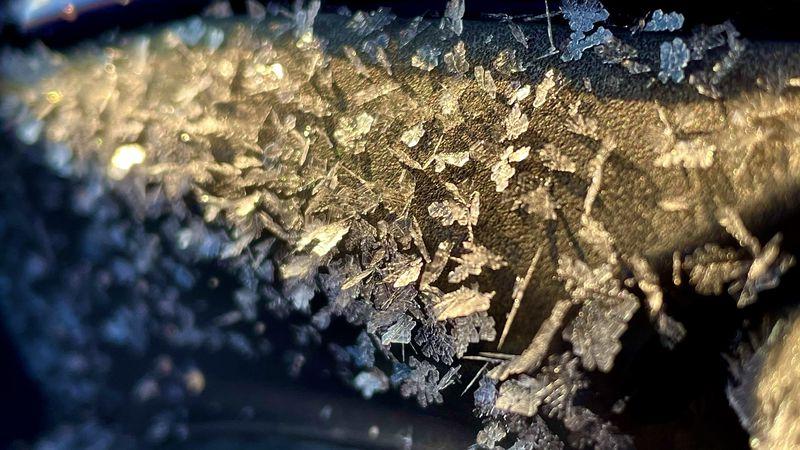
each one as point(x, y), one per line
point(125, 157)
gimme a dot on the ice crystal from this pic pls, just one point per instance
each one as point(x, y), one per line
point(363, 353)
point(411, 136)
point(690, 154)
point(324, 238)
point(537, 202)
point(669, 329)
point(351, 130)
point(555, 160)
point(674, 58)
point(403, 273)
point(422, 381)
point(484, 79)
point(506, 62)
point(364, 24)
point(579, 43)
point(491, 434)
point(517, 293)
point(472, 262)
point(472, 329)
point(355, 61)
point(456, 59)
point(453, 17)
point(661, 21)
point(435, 342)
point(615, 51)
point(485, 397)
point(543, 88)
point(462, 302)
point(399, 332)
point(520, 396)
point(411, 31)
point(434, 269)
point(455, 159)
point(711, 267)
point(502, 171)
point(605, 310)
point(370, 382)
point(426, 57)
point(583, 14)
point(536, 352)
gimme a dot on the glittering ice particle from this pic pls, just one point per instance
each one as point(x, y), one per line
point(674, 58)
point(426, 57)
point(661, 21)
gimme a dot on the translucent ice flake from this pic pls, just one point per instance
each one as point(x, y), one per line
point(472, 262)
point(543, 88)
point(583, 14)
point(364, 24)
point(422, 381)
point(370, 382)
point(579, 43)
point(426, 57)
point(456, 59)
point(403, 273)
point(323, 238)
point(520, 396)
point(689, 154)
point(399, 332)
point(351, 130)
point(411, 136)
point(674, 58)
point(472, 329)
point(455, 159)
point(461, 302)
point(537, 202)
point(485, 81)
point(661, 21)
point(453, 17)
point(605, 311)
point(502, 171)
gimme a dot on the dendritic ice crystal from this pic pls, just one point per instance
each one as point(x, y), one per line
point(416, 182)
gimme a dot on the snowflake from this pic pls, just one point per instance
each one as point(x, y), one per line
point(422, 381)
point(472, 262)
point(471, 329)
point(502, 171)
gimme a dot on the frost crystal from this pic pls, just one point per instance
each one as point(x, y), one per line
point(502, 171)
point(689, 154)
point(351, 130)
point(537, 202)
point(462, 302)
point(364, 24)
point(455, 159)
point(555, 160)
point(324, 238)
point(371, 382)
point(403, 273)
point(399, 332)
point(711, 267)
point(472, 262)
point(543, 88)
point(453, 15)
point(664, 22)
point(456, 59)
point(426, 57)
point(578, 43)
point(412, 136)
point(472, 329)
point(674, 58)
point(421, 381)
point(484, 79)
point(434, 269)
point(605, 311)
point(582, 15)
point(520, 396)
